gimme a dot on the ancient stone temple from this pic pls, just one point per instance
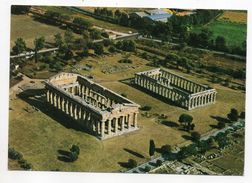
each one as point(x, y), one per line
point(99, 110)
point(181, 91)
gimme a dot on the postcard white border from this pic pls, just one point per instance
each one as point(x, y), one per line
point(66, 177)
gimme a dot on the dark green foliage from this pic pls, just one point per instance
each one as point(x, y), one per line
point(68, 38)
point(125, 60)
point(25, 165)
point(58, 40)
point(185, 118)
point(204, 145)
point(147, 168)
point(132, 163)
point(98, 49)
point(39, 43)
point(20, 9)
point(159, 162)
point(221, 124)
point(112, 49)
point(107, 42)
point(13, 154)
point(242, 115)
point(126, 45)
point(19, 46)
point(166, 149)
point(82, 23)
point(145, 108)
point(95, 34)
point(75, 149)
point(186, 122)
point(195, 136)
point(152, 148)
point(105, 34)
point(233, 115)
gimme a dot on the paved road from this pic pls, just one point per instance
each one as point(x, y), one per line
point(27, 54)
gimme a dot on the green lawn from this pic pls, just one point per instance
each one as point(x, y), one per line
point(235, 33)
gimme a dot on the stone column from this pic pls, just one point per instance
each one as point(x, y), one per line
point(109, 127)
point(102, 124)
point(135, 120)
point(116, 125)
point(123, 123)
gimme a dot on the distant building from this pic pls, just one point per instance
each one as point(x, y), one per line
point(152, 15)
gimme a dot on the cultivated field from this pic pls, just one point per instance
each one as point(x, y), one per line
point(25, 27)
point(234, 16)
point(231, 25)
point(96, 22)
point(40, 134)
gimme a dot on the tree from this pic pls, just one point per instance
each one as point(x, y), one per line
point(58, 40)
point(132, 163)
point(68, 38)
point(95, 34)
point(242, 115)
point(195, 136)
point(159, 162)
point(112, 49)
point(186, 121)
point(82, 23)
point(85, 34)
point(221, 124)
point(20, 9)
point(39, 43)
point(166, 149)
point(98, 49)
point(84, 51)
point(151, 148)
point(19, 47)
point(233, 115)
point(75, 149)
point(220, 43)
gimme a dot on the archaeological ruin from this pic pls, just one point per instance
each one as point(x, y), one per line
point(181, 91)
point(99, 110)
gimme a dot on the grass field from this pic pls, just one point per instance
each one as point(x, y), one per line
point(234, 33)
point(100, 23)
point(231, 24)
point(39, 135)
point(25, 27)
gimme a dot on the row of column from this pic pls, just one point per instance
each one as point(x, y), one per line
point(159, 89)
point(91, 97)
point(119, 125)
point(176, 95)
point(183, 83)
point(102, 128)
point(202, 100)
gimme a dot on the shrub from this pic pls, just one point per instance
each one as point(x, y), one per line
point(195, 136)
point(132, 163)
point(242, 115)
point(166, 149)
point(159, 162)
point(147, 168)
point(145, 108)
point(112, 49)
point(233, 115)
point(221, 124)
point(13, 154)
point(75, 149)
